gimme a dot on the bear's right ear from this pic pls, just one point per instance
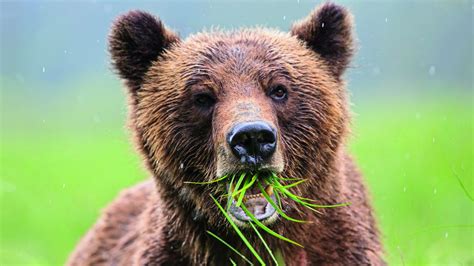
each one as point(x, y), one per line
point(136, 40)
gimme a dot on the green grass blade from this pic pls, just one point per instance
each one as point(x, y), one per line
point(229, 199)
point(229, 246)
point(298, 201)
point(283, 178)
point(279, 257)
point(207, 182)
point(237, 230)
point(287, 192)
point(303, 200)
point(237, 186)
point(277, 197)
point(244, 189)
point(469, 196)
point(294, 184)
point(239, 200)
point(269, 199)
point(328, 206)
point(233, 262)
point(268, 230)
point(264, 243)
point(247, 184)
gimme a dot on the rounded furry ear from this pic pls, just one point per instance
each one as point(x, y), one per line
point(136, 40)
point(328, 32)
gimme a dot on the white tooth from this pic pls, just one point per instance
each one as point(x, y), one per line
point(269, 190)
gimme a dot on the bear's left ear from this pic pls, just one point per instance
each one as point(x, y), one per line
point(136, 40)
point(328, 32)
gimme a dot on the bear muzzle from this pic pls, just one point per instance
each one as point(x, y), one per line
point(252, 143)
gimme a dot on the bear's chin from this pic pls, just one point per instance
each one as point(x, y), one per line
point(267, 217)
point(256, 203)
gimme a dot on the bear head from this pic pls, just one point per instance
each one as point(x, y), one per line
point(226, 102)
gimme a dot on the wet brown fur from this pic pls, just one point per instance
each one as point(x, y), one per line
point(164, 221)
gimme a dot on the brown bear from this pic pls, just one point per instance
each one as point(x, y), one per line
point(223, 102)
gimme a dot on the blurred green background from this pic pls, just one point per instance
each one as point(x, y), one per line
point(65, 151)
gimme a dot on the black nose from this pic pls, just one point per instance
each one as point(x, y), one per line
point(252, 142)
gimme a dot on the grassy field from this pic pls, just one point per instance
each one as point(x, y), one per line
point(55, 180)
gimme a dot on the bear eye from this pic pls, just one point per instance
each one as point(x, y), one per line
point(204, 100)
point(279, 93)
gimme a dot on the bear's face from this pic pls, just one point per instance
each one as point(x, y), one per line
point(223, 103)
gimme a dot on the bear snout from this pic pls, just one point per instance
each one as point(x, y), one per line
point(252, 142)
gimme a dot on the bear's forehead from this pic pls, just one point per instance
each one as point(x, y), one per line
point(241, 45)
point(247, 52)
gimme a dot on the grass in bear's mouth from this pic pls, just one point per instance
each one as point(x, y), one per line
point(268, 183)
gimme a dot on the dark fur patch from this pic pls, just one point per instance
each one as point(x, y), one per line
point(328, 31)
point(137, 38)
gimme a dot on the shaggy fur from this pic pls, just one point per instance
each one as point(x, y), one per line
point(164, 221)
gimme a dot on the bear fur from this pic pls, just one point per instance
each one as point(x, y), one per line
point(186, 95)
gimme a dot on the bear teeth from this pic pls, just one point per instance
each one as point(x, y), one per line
point(269, 190)
point(259, 195)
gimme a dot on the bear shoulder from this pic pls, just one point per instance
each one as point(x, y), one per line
point(116, 229)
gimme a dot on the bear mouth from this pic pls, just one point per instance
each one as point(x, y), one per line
point(255, 203)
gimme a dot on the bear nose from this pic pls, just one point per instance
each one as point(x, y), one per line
point(252, 142)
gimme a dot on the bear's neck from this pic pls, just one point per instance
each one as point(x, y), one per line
point(188, 243)
point(186, 239)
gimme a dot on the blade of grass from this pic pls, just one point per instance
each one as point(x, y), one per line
point(303, 200)
point(275, 189)
point(298, 199)
point(279, 257)
point(207, 182)
point(237, 230)
point(229, 199)
point(268, 230)
point(264, 243)
point(241, 197)
point(247, 184)
point(277, 197)
point(244, 189)
point(229, 246)
point(233, 262)
point(237, 186)
point(294, 184)
point(283, 178)
point(270, 200)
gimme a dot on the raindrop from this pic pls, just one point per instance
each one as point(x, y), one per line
point(404, 189)
point(64, 186)
point(418, 115)
point(433, 139)
point(435, 191)
point(322, 25)
point(386, 20)
point(446, 235)
point(181, 166)
point(96, 119)
point(376, 70)
point(19, 78)
point(284, 17)
point(65, 51)
point(44, 69)
point(432, 70)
